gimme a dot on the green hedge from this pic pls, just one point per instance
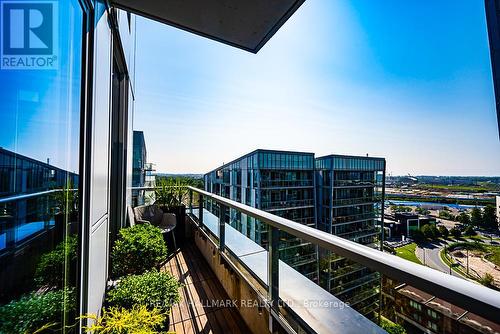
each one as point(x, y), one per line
point(50, 269)
point(33, 311)
point(139, 248)
point(153, 289)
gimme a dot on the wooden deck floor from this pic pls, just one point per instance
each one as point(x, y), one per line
point(201, 308)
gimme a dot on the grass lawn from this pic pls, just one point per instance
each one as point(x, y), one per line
point(408, 253)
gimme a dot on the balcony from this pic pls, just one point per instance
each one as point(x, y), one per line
point(230, 284)
point(219, 263)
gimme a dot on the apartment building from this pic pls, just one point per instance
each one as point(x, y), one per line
point(279, 182)
point(350, 205)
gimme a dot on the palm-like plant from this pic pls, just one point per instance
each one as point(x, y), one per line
point(172, 191)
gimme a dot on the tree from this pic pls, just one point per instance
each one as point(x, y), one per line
point(427, 231)
point(417, 235)
point(486, 280)
point(469, 231)
point(455, 232)
point(446, 215)
point(476, 217)
point(443, 231)
point(435, 231)
point(422, 211)
point(464, 218)
point(489, 218)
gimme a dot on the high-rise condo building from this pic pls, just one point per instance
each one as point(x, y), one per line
point(279, 182)
point(349, 194)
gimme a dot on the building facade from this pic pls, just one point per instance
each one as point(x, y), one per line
point(279, 182)
point(139, 158)
point(350, 205)
point(341, 195)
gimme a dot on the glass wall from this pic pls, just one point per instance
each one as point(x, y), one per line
point(39, 165)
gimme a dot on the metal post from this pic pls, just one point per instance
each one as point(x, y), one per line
point(222, 227)
point(200, 210)
point(273, 275)
point(190, 201)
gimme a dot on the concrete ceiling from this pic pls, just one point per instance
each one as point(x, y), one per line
point(245, 24)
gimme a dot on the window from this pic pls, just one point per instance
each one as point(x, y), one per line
point(415, 305)
point(432, 313)
point(35, 158)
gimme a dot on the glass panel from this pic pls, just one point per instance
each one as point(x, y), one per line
point(39, 157)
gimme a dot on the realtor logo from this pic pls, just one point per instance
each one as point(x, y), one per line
point(29, 35)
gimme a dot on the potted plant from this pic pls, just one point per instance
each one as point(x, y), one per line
point(170, 196)
point(153, 289)
point(115, 320)
point(138, 249)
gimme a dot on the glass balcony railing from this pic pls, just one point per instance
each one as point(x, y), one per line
point(345, 287)
point(286, 183)
point(276, 205)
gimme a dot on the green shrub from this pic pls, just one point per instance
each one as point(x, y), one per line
point(139, 248)
point(391, 327)
point(455, 232)
point(153, 289)
point(33, 311)
point(443, 231)
point(487, 280)
point(137, 320)
point(417, 235)
point(469, 231)
point(50, 269)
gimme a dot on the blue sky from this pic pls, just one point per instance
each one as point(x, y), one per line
point(406, 80)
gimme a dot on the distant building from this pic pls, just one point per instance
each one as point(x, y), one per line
point(30, 224)
point(341, 195)
point(279, 182)
point(421, 312)
point(350, 205)
point(405, 223)
point(142, 175)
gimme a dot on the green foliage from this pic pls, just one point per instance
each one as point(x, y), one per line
point(33, 311)
point(137, 320)
point(173, 191)
point(422, 211)
point(51, 267)
point(66, 200)
point(443, 231)
point(455, 232)
point(464, 218)
point(445, 214)
point(469, 231)
point(486, 280)
point(153, 289)
point(417, 235)
point(391, 327)
point(426, 230)
point(400, 208)
point(476, 217)
point(489, 217)
point(430, 231)
point(138, 249)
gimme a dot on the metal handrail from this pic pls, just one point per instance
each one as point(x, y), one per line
point(480, 300)
point(31, 195)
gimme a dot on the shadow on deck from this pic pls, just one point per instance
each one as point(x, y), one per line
point(204, 306)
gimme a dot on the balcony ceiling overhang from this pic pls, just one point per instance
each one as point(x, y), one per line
point(245, 24)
